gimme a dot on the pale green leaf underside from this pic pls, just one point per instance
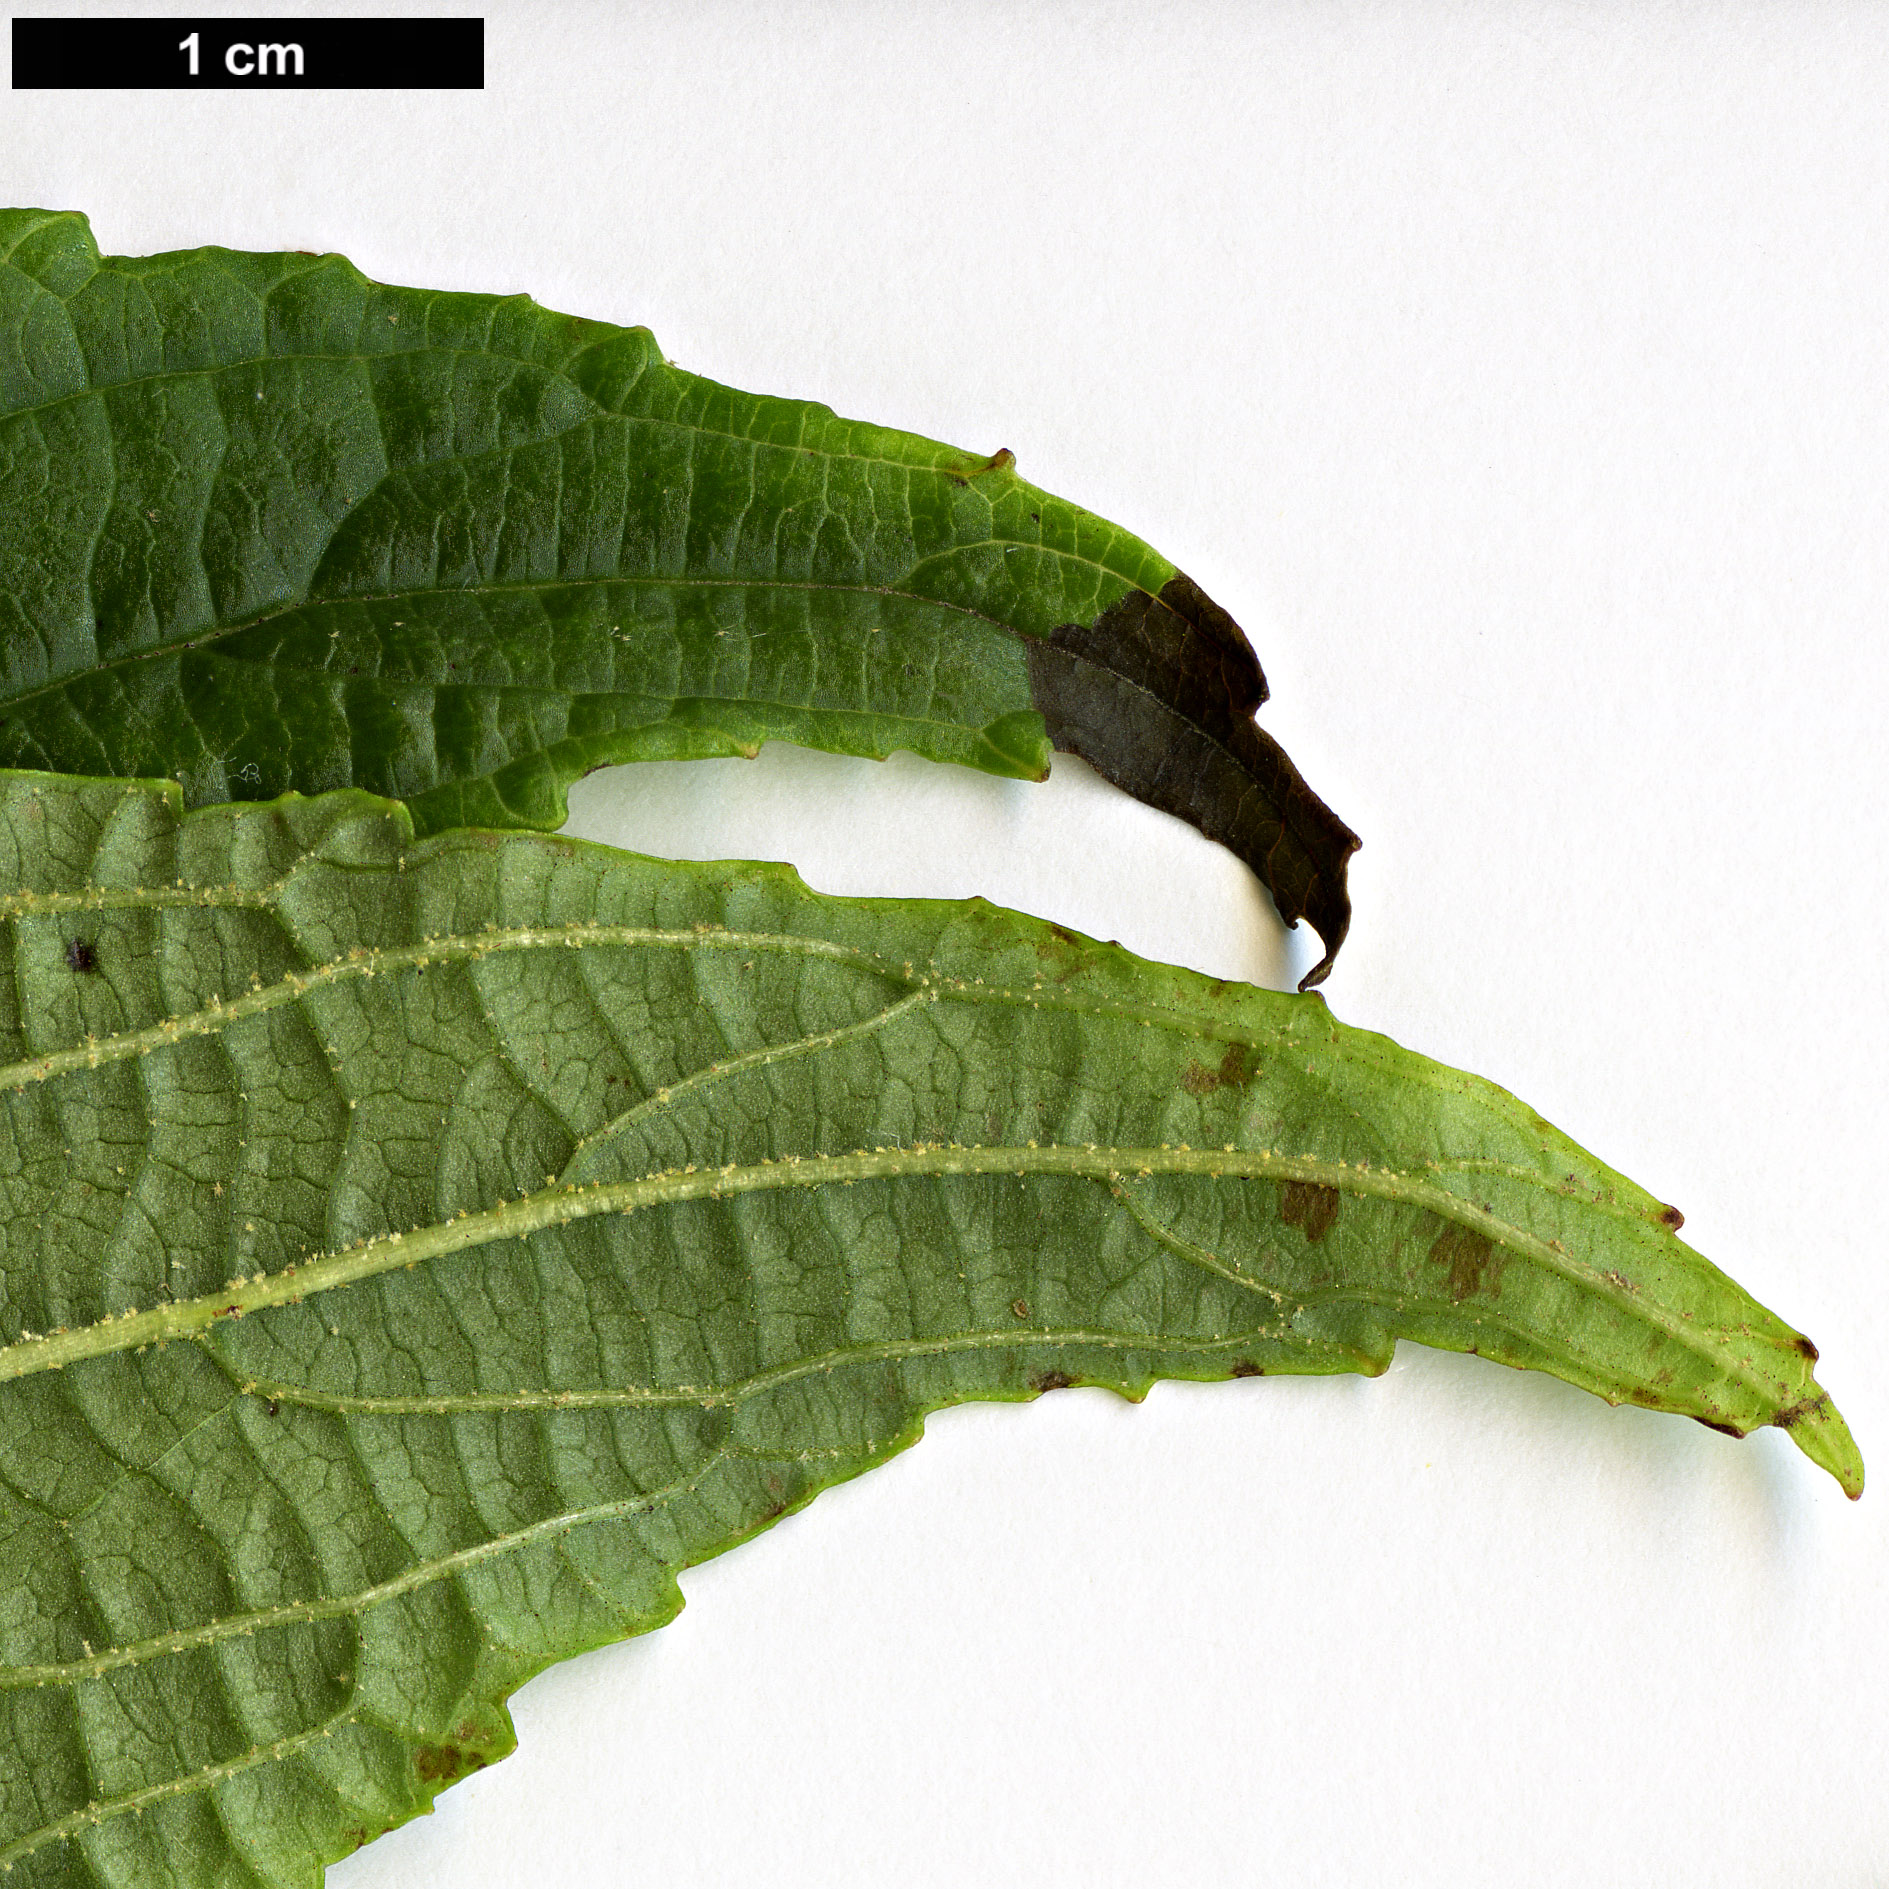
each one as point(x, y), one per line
point(415, 1254)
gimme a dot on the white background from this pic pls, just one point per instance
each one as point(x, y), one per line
point(1516, 375)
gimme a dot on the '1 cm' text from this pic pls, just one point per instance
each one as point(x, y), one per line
point(244, 61)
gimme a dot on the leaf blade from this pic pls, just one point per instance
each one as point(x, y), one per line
point(629, 1204)
point(271, 526)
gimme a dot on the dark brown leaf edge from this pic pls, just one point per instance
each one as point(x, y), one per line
point(1158, 696)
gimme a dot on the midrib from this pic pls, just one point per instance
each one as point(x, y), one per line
point(563, 1206)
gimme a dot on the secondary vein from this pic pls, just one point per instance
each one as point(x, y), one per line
point(717, 1396)
point(334, 1606)
point(375, 961)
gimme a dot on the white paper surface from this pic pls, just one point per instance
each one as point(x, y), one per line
point(1516, 375)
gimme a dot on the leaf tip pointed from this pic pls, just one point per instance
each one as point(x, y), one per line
point(1817, 1428)
point(1331, 939)
point(1158, 694)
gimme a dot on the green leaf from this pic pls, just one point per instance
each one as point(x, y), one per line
point(266, 525)
point(415, 1254)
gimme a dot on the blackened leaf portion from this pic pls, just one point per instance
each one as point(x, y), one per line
point(1157, 694)
point(266, 525)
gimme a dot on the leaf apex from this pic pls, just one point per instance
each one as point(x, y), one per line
point(1817, 1428)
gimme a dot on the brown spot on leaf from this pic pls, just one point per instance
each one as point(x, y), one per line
point(1237, 1068)
point(1804, 1407)
point(80, 956)
point(1671, 1217)
point(1062, 945)
point(1020, 1308)
point(1475, 1262)
point(1804, 1345)
point(441, 1764)
point(1245, 1367)
point(1158, 694)
point(1310, 1207)
point(1051, 1381)
point(1724, 1429)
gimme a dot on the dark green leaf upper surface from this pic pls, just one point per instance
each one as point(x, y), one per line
point(265, 525)
point(414, 1253)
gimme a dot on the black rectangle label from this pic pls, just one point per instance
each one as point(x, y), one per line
point(195, 54)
